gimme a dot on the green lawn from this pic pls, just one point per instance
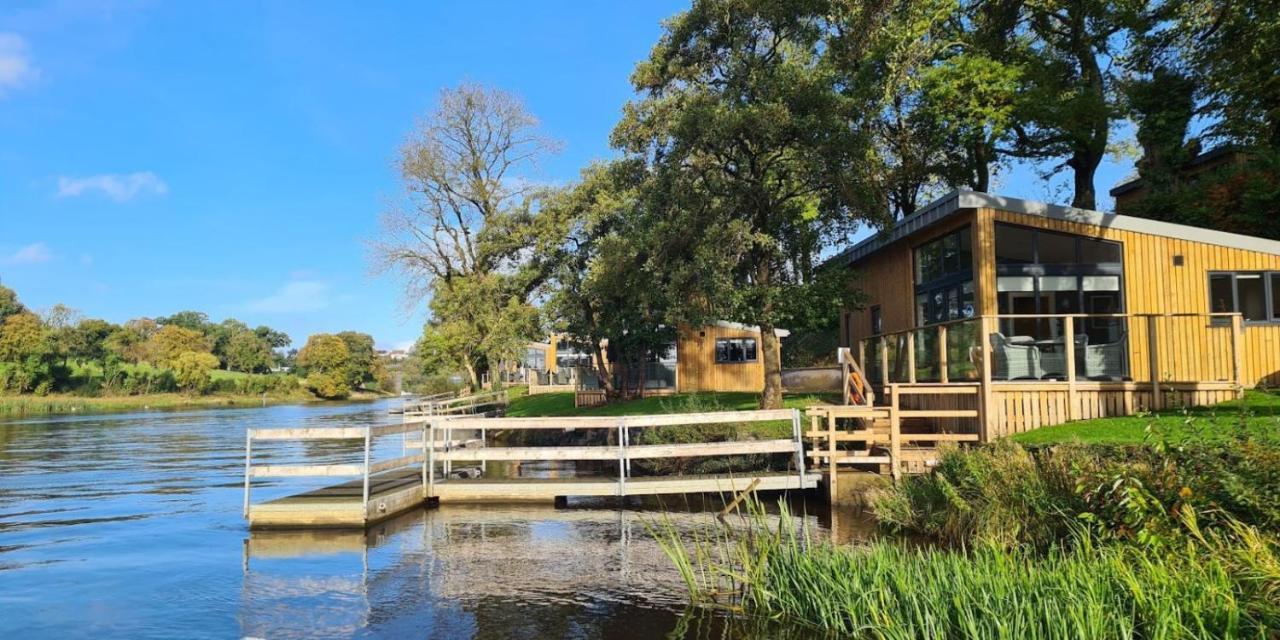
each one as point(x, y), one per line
point(561, 404)
point(1257, 415)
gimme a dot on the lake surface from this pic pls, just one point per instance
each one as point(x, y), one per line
point(130, 526)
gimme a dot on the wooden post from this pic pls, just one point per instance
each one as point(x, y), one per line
point(988, 410)
point(248, 467)
point(832, 466)
point(1153, 361)
point(862, 356)
point(430, 442)
point(425, 457)
point(484, 443)
point(943, 376)
point(368, 440)
point(799, 437)
point(884, 361)
point(911, 356)
point(622, 459)
point(895, 436)
point(1236, 354)
point(1069, 328)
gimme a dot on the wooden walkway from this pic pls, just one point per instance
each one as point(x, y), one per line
point(384, 488)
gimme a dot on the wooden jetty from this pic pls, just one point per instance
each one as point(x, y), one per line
point(379, 489)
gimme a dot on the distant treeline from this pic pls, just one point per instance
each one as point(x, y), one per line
point(60, 351)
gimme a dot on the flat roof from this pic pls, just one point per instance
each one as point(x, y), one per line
point(964, 199)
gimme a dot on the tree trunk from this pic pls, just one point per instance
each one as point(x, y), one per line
point(474, 374)
point(602, 372)
point(771, 398)
point(1084, 165)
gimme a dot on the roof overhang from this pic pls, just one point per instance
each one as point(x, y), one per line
point(963, 199)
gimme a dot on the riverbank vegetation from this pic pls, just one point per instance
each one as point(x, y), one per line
point(1172, 536)
point(61, 355)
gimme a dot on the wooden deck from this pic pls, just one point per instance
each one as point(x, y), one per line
point(343, 505)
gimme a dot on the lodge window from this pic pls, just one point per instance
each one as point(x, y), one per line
point(1255, 295)
point(735, 350)
point(944, 278)
point(877, 321)
point(1045, 272)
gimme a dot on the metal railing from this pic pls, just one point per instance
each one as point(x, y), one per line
point(366, 468)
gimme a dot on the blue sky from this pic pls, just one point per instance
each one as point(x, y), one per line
point(233, 157)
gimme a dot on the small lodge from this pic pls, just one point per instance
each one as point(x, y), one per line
point(1025, 314)
point(721, 356)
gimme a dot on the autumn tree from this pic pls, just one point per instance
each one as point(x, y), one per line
point(192, 370)
point(173, 340)
point(325, 358)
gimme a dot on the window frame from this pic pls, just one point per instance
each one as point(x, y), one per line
point(875, 315)
point(1269, 278)
point(1079, 270)
point(946, 283)
point(715, 353)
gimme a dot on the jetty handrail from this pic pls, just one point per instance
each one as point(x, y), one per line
point(622, 450)
point(366, 468)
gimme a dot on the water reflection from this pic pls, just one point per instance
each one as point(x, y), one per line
point(129, 526)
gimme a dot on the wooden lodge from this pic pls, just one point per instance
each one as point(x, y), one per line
point(721, 356)
point(1043, 314)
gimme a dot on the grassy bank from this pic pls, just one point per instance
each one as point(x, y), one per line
point(1257, 414)
point(561, 404)
point(24, 405)
point(1221, 586)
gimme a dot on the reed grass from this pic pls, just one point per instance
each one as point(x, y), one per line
point(1219, 585)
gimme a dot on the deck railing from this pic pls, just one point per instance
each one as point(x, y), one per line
point(1146, 348)
point(621, 450)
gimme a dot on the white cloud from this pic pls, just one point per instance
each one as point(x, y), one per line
point(34, 253)
point(16, 69)
point(118, 187)
point(302, 296)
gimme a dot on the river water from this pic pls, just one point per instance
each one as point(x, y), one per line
point(130, 526)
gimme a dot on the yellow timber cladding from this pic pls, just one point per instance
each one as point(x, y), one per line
point(1184, 356)
point(698, 369)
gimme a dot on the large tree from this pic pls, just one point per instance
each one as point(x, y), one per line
point(466, 169)
point(606, 286)
point(740, 124)
point(1067, 100)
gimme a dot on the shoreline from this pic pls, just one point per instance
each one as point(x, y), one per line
point(20, 406)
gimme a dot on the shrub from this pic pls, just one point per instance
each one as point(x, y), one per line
point(1005, 495)
point(191, 370)
point(332, 386)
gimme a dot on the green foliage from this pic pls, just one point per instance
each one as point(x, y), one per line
point(362, 365)
point(173, 340)
point(605, 288)
point(328, 385)
point(191, 370)
point(746, 140)
point(1002, 494)
point(1220, 585)
point(326, 359)
point(246, 350)
point(9, 304)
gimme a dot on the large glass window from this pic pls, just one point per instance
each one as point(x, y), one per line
point(944, 278)
point(1255, 295)
point(1042, 273)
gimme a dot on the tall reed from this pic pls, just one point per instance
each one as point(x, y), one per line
point(1221, 586)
